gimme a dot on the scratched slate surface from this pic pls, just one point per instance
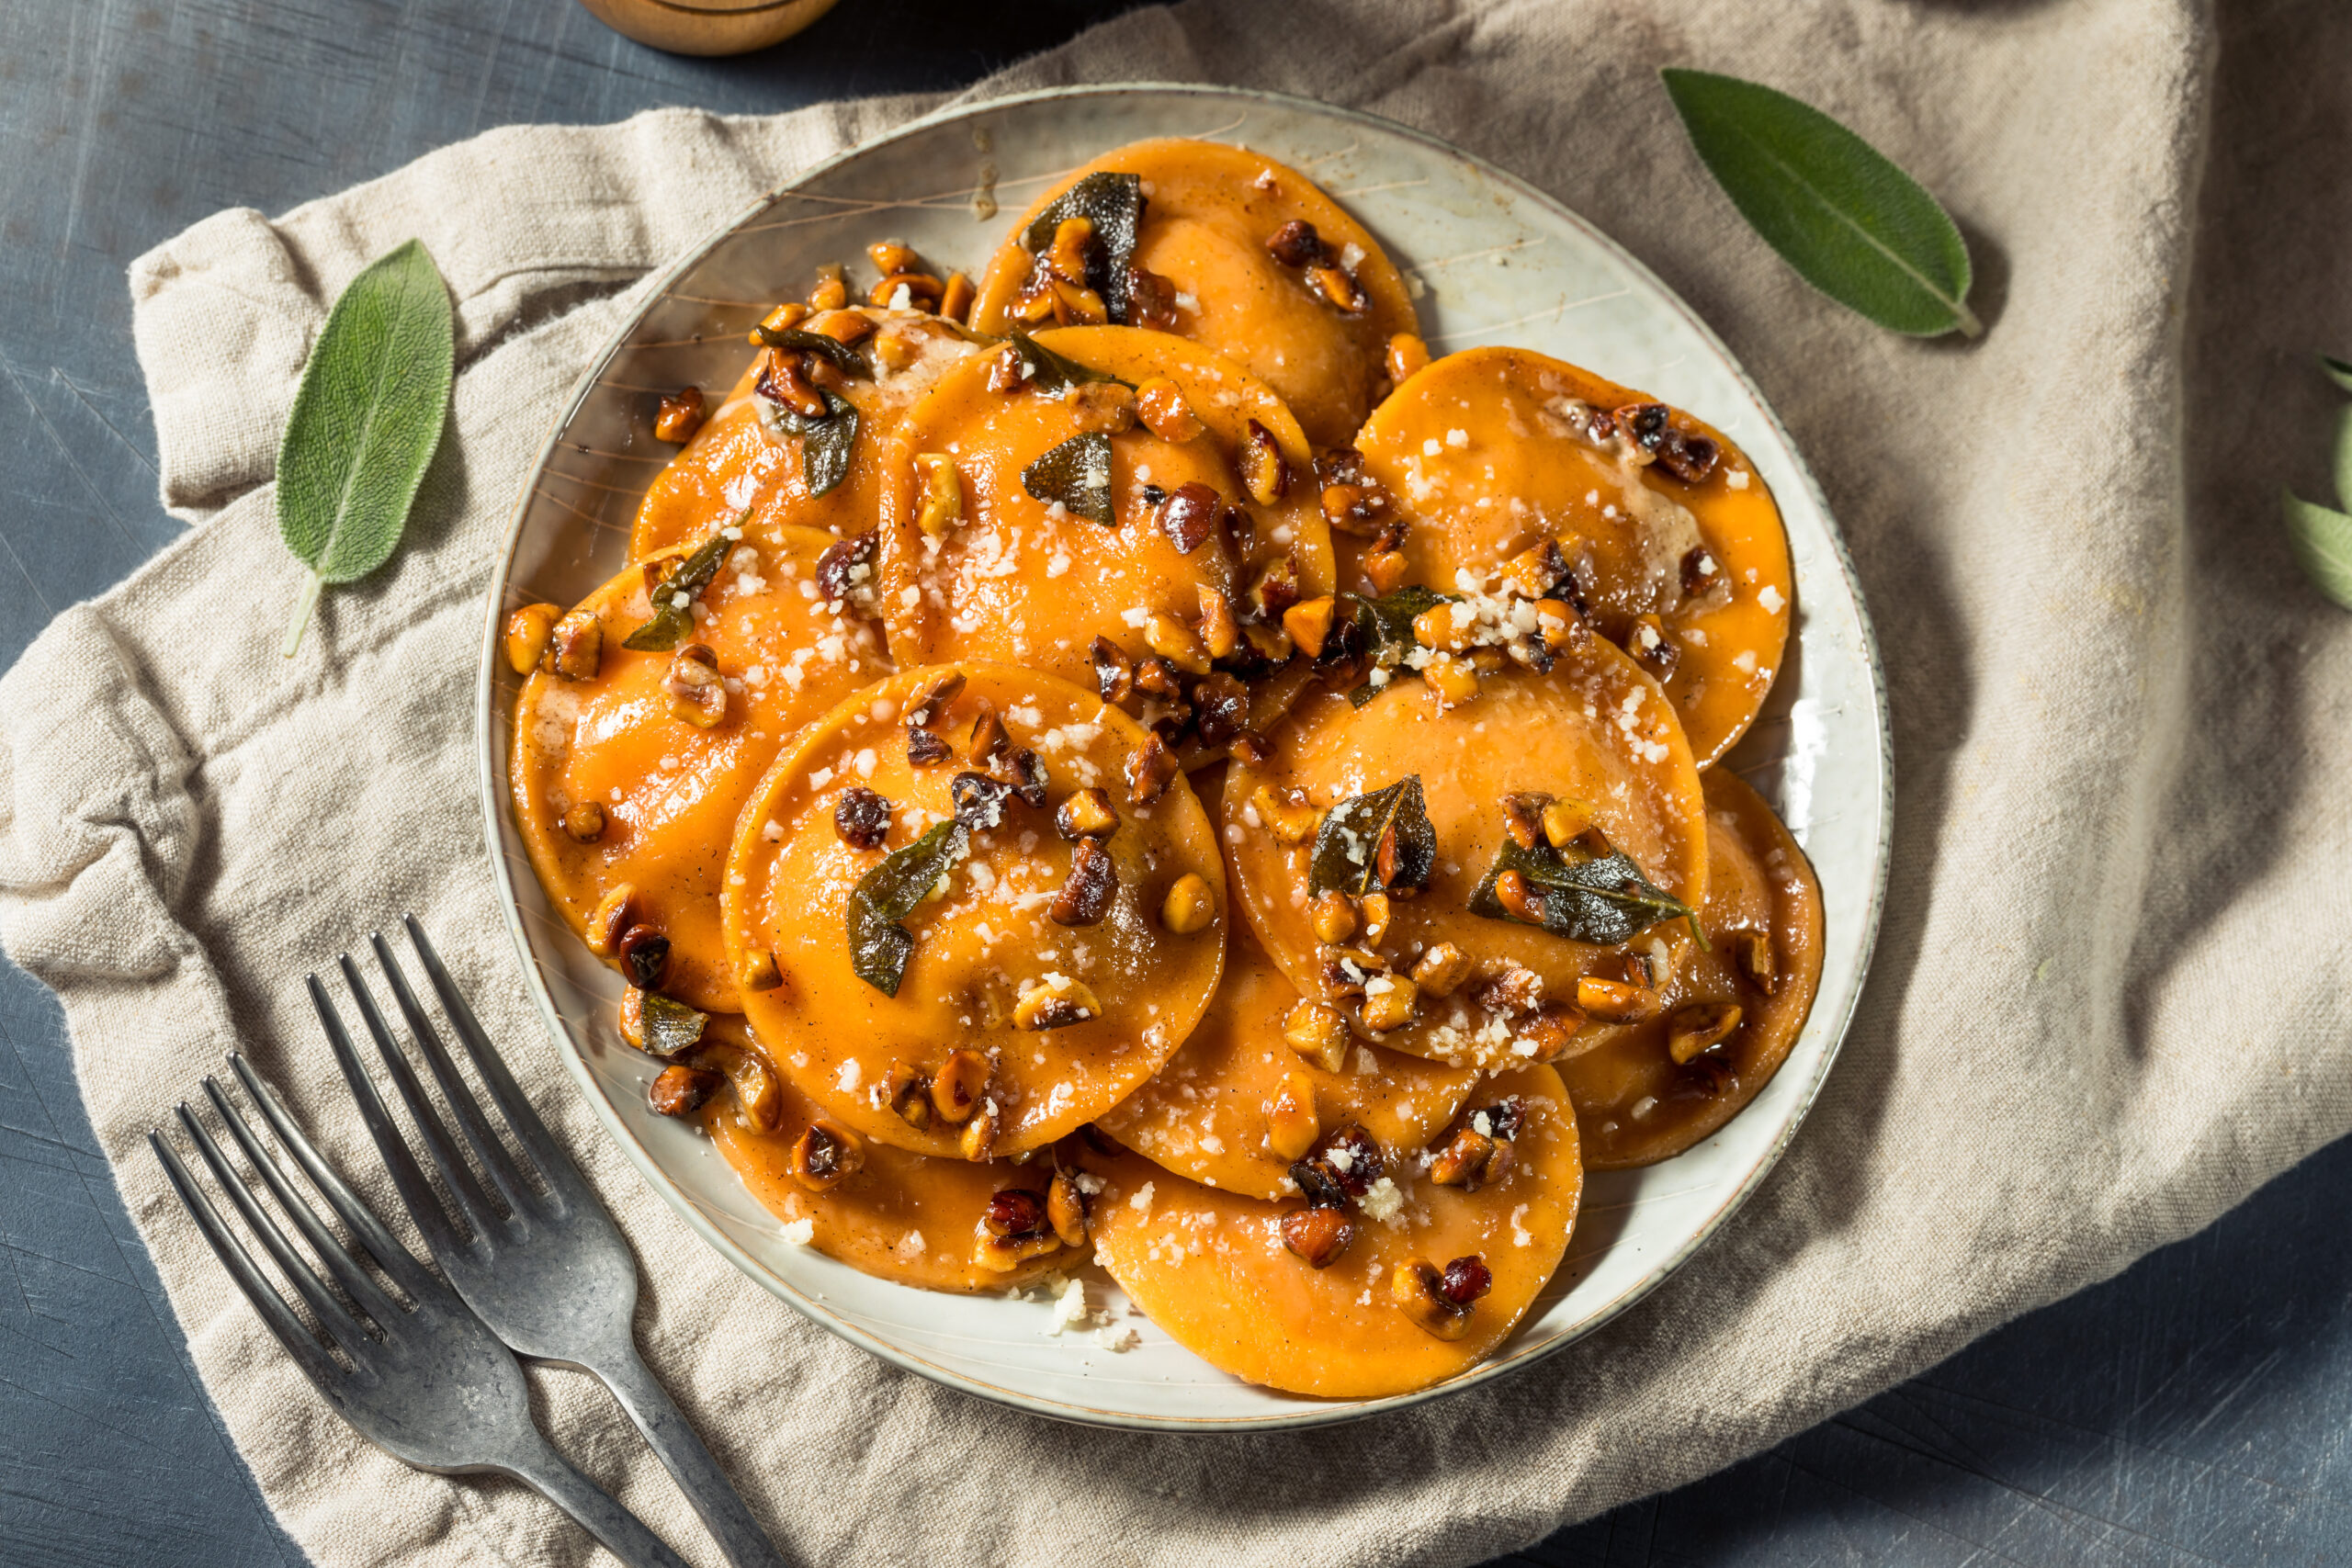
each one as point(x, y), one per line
point(2189, 1411)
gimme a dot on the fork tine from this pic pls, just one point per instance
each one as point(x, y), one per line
point(440, 1239)
point(554, 1165)
point(474, 1204)
point(355, 1280)
point(316, 1364)
point(357, 1217)
point(470, 1122)
point(332, 1315)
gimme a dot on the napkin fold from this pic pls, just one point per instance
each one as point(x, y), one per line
point(2110, 993)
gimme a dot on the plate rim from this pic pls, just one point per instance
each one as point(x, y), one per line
point(491, 796)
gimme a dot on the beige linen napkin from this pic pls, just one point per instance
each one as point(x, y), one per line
point(2110, 995)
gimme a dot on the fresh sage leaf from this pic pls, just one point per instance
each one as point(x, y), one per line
point(1348, 855)
point(1113, 204)
point(368, 418)
point(2340, 372)
point(1078, 474)
point(2321, 538)
point(669, 1025)
point(1605, 900)
point(826, 444)
point(2342, 455)
point(1385, 630)
point(840, 355)
point(1853, 224)
point(1051, 372)
point(671, 620)
point(878, 945)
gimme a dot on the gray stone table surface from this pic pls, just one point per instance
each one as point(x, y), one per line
point(2191, 1410)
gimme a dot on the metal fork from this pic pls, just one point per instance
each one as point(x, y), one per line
point(552, 1275)
point(428, 1382)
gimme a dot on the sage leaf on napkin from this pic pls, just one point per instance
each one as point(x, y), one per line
point(2321, 537)
point(368, 418)
point(1840, 211)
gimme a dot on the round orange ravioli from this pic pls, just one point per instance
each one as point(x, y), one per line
point(1636, 1103)
point(1493, 450)
point(900, 1216)
point(986, 954)
point(1210, 1267)
point(744, 467)
point(670, 791)
point(1205, 1115)
point(1208, 212)
point(1594, 731)
point(1029, 582)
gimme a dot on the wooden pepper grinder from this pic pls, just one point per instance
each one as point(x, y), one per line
point(708, 27)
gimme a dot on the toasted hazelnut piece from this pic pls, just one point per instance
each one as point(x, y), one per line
point(860, 817)
point(784, 379)
point(1220, 632)
point(1164, 411)
point(1552, 1030)
point(1250, 748)
point(680, 1090)
point(1150, 768)
point(942, 506)
point(1417, 1290)
point(1065, 256)
point(1177, 643)
point(644, 954)
point(584, 823)
point(1536, 571)
point(1115, 673)
point(1389, 1003)
point(988, 736)
point(632, 1016)
point(1189, 515)
point(577, 645)
point(783, 319)
point(1361, 509)
point(1189, 907)
point(957, 1089)
point(1463, 1161)
point(908, 291)
point(1651, 647)
point(829, 293)
point(679, 416)
point(977, 1143)
point(1518, 896)
point(759, 1097)
point(1438, 627)
point(1616, 1001)
point(611, 917)
point(1518, 989)
point(697, 693)
point(758, 971)
point(1290, 1124)
point(1103, 408)
point(1333, 916)
point(1270, 645)
point(1088, 892)
point(1564, 822)
point(1291, 820)
point(528, 631)
point(1441, 970)
point(1155, 677)
point(1296, 243)
point(1275, 591)
point(825, 1155)
point(1753, 952)
point(909, 1094)
point(1455, 681)
point(1386, 571)
point(956, 298)
point(1374, 907)
point(1465, 1280)
point(1066, 1206)
point(1337, 288)
point(926, 748)
point(891, 256)
point(1057, 1004)
point(896, 346)
point(1523, 817)
point(1318, 1031)
point(1005, 1254)
point(1695, 1027)
point(1087, 814)
point(1014, 1210)
point(1308, 622)
point(1263, 471)
point(1701, 572)
point(1407, 354)
point(1318, 1237)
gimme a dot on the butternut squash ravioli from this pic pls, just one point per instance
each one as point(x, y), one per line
point(1120, 761)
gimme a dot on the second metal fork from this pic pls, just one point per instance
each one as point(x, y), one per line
point(552, 1275)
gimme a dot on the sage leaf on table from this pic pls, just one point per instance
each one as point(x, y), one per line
point(1840, 211)
point(368, 418)
point(2321, 537)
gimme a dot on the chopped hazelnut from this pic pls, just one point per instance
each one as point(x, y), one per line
point(1087, 814)
point(957, 1087)
point(1220, 633)
point(1389, 1004)
point(942, 506)
point(829, 292)
point(1696, 1027)
point(825, 1155)
point(1615, 1001)
point(1651, 647)
point(578, 645)
point(1189, 905)
point(1190, 515)
point(1386, 571)
point(1094, 883)
point(1440, 628)
point(1290, 1124)
point(987, 737)
point(783, 319)
point(1552, 1030)
point(956, 298)
point(1115, 673)
point(1014, 1210)
point(610, 918)
point(1164, 411)
point(1519, 897)
point(1406, 354)
point(1318, 1236)
point(679, 416)
point(1176, 642)
point(892, 256)
point(860, 817)
point(1337, 288)
point(1103, 408)
point(1564, 822)
point(584, 823)
point(1308, 623)
point(1701, 572)
point(1275, 591)
point(1290, 818)
point(784, 379)
point(1375, 909)
point(1753, 952)
point(529, 630)
point(1518, 989)
point(1150, 768)
point(1454, 680)
point(1417, 1290)
point(1523, 817)
point(909, 1094)
point(758, 970)
point(1463, 1161)
point(926, 748)
point(1441, 970)
point(1055, 1006)
point(978, 1141)
point(1318, 1031)
point(697, 693)
point(1361, 509)
point(1263, 471)
point(1066, 1206)
point(1296, 243)
point(644, 954)
point(923, 291)
point(680, 1090)
point(1333, 916)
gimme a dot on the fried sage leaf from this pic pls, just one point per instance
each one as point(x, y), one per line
point(825, 444)
point(1078, 474)
point(669, 1025)
point(671, 620)
point(1605, 900)
point(1051, 372)
point(838, 355)
point(1113, 204)
point(1380, 843)
point(878, 945)
point(1385, 630)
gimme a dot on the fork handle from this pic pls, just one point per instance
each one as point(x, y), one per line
point(623, 1533)
point(681, 1452)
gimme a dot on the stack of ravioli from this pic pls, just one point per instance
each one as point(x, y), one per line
point(1132, 760)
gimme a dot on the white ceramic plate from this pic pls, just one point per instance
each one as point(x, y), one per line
point(1499, 263)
